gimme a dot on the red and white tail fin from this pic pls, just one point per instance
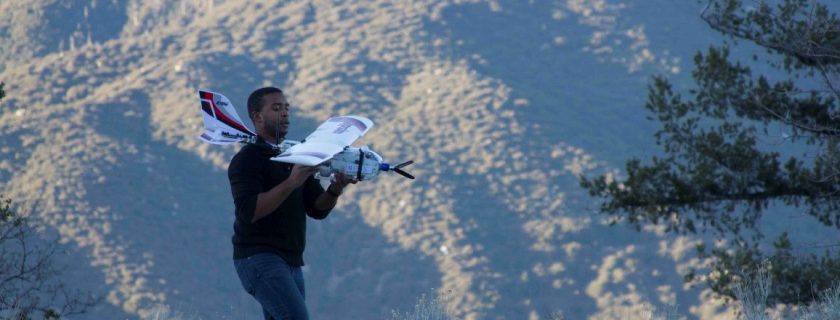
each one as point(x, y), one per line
point(221, 123)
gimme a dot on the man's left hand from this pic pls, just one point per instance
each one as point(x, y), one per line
point(340, 182)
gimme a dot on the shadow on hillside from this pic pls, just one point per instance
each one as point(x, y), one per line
point(568, 94)
point(357, 273)
point(171, 210)
point(569, 98)
point(97, 22)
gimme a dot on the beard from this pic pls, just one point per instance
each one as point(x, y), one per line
point(279, 129)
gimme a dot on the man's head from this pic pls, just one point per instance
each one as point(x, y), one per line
point(269, 111)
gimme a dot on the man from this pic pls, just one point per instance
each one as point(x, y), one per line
point(272, 201)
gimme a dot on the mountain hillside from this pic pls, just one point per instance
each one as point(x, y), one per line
point(501, 104)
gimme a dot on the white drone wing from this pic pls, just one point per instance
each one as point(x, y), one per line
point(330, 138)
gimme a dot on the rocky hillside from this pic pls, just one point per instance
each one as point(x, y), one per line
point(500, 103)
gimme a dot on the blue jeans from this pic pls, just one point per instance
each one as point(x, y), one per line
point(276, 285)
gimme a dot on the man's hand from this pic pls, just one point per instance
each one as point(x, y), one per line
point(268, 201)
point(328, 199)
point(300, 173)
point(341, 181)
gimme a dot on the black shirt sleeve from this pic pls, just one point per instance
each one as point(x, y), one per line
point(245, 185)
point(311, 191)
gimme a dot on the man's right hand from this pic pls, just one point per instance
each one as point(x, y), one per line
point(300, 173)
point(268, 201)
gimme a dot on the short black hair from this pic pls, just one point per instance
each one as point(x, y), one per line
point(255, 100)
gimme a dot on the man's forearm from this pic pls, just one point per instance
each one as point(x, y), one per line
point(268, 201)
point(326, 201)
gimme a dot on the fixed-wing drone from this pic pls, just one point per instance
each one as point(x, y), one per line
point(328, 147)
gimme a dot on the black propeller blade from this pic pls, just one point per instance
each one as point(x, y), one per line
point(398, 169)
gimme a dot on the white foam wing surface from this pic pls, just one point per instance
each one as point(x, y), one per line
point(330, 138)
point(342, 131)
point(309, 153)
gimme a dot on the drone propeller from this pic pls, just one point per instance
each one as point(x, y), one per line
point(398, 169)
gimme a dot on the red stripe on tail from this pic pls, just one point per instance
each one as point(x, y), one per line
point(233, 124)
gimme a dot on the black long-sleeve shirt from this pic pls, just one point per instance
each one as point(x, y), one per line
point(283, 231)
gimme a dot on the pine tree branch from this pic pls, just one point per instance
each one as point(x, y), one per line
point(793, 43)
point(786, 119)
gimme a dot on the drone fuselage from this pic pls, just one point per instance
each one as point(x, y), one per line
point(360, 164)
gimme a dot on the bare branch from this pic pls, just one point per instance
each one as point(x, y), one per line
point(29, 281)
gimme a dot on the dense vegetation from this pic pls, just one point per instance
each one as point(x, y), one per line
point(719, 173)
